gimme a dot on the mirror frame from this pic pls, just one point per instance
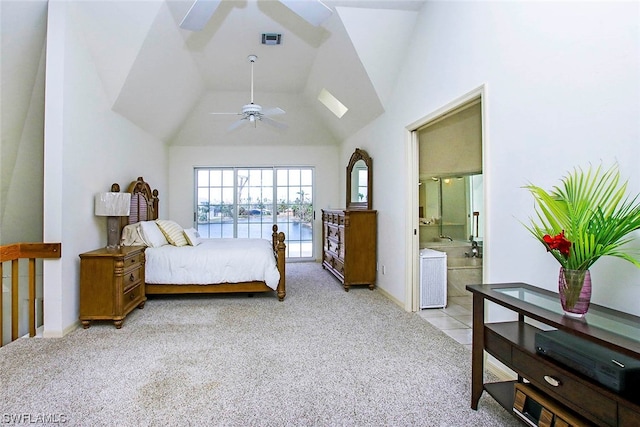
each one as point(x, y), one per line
point(364, 156)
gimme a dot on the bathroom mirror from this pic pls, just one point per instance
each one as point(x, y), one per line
point(359, 181)
point(451, 206)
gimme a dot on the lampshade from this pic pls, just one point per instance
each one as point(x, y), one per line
point(112, 204)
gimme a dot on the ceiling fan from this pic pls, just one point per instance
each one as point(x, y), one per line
point(253, 113)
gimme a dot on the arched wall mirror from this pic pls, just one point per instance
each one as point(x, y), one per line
point(359, 181)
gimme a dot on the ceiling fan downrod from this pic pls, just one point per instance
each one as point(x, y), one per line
point(252, 59)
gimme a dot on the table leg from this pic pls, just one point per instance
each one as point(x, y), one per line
point(477, 350)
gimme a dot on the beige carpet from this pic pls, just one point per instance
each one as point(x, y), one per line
point(323, 357)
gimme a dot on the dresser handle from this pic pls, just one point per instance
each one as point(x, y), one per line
point(132, 296)
point(552, 381)
point(131, 278)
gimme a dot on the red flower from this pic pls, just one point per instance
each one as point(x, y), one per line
point(558, 242)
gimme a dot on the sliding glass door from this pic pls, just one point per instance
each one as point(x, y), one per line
point(247, 202)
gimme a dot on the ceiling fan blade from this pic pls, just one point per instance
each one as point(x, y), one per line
point(236, 125)
point(273, 123)
point(235, 114)
point(313, 11)
point(273, 111)
point(199, 14)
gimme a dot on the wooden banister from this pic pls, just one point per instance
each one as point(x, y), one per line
point(14, 252)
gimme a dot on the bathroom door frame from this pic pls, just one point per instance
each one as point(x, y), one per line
point(412, 285)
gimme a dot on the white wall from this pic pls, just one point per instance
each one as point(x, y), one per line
point(87, 148)
point(562, 90)
point(182, 160)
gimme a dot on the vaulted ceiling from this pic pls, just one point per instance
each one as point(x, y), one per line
point(168, 80)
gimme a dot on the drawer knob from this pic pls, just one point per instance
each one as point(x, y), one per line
point(132, 296)
point(552, 381)
point(131, 278)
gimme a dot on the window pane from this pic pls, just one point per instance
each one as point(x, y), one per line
point(216, 178)
point(227, 177)
point(306, 177)
point(203, 178)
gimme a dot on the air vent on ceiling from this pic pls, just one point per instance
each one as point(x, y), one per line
point(271, 38)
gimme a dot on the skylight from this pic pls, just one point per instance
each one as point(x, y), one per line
point(332, 103)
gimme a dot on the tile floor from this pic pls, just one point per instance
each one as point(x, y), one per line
point(454, 320)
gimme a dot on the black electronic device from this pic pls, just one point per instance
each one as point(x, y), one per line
point(613, 370)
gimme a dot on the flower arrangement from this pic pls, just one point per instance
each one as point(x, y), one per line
point(586, 217)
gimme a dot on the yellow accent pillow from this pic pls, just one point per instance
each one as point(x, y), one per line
point(172, 231)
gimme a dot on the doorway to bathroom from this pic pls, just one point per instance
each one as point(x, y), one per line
point(448, 213)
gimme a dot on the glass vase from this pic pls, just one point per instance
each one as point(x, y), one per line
point(574, 287)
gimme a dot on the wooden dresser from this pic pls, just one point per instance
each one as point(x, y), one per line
point(349, 246)
point(111, 284)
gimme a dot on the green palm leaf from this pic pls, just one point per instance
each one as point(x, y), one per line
point(593, 212)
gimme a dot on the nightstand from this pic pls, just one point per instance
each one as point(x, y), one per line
point(111, 284)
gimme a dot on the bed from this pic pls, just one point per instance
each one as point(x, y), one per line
point(199, 265)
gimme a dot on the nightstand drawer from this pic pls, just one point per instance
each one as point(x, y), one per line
point(134, 260)
point(131, 278)
point(132, 296)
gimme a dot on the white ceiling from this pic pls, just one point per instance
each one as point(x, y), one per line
point(167, 80)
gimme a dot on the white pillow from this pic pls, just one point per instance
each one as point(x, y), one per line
point(172, 231)
point(192, 236)
point(152, 235)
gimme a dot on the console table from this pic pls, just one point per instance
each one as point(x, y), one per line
point(512, 343)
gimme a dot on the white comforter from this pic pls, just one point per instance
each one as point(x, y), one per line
point(213, 261)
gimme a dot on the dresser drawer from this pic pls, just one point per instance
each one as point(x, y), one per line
point(577, 392)
point(334, 263)
point(334, 246)
point(339, 266)
point(334, 218)
point(334, 232)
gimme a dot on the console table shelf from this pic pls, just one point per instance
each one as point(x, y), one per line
point(513, 344)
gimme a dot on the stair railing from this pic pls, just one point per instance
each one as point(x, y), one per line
point(13, 253)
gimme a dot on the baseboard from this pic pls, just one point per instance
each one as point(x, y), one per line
point(59, 334)
point(391, 297)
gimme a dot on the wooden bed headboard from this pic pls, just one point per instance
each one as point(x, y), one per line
point(144, 202)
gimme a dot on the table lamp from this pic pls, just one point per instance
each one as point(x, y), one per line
point(113, 206)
